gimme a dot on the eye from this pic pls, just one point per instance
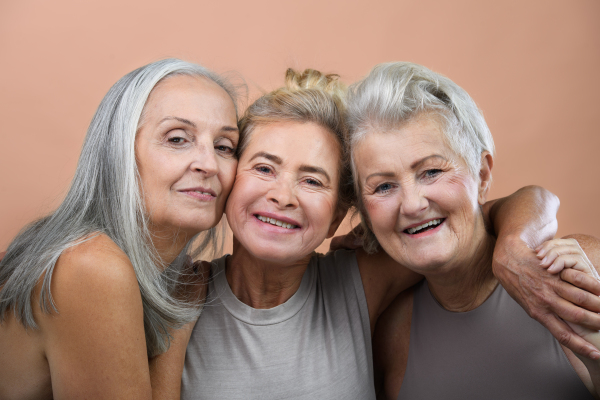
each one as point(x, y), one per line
point(263, 169)
point(176, 140)
point(432, 173)
point(225, 146)
point(225, 149)
point(383, 188)
point(313, 182)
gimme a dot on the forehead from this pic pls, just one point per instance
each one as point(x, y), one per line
point(307, 138)
point(191, 95)
point(295, 141)
point(400, 147)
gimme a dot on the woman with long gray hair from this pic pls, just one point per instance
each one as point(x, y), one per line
point(89, 293)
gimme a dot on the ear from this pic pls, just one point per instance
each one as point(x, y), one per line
point(340, 213)
point(485, 176)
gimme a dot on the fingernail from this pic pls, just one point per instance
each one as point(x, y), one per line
point(544, 261)
point(595, 355)
point(541, 253)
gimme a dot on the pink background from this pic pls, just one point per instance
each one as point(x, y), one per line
point(533, 67)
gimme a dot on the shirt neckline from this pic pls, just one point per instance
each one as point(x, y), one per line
point(254, 316)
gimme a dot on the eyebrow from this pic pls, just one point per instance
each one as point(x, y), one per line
point(304, 167)
point(271, 157)
point(190, 123)
point(315, 170)
point(182, 120)
point(412, 166)
point(421, 161)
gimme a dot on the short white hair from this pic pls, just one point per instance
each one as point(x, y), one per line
point(396, 93)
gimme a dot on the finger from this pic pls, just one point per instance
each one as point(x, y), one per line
point(575, 261)
point(545, 247)
point(565, 336)
point(581, 280)
point(578, 297)
point(557, 251)
point(570, 311)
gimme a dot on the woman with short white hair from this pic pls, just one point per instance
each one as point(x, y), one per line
point(422, 157)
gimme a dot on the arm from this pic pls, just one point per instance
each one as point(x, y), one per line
point(522, 222)
point(383, 279)
point(166, 369)
point(95, 345)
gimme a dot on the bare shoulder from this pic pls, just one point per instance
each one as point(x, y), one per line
point(590, 245)
point(94, 264)
point(95, 342)
point(94, 276)
point(95, 249)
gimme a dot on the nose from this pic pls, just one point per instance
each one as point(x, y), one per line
point(413, 201)
point(205, 161)
point(283, 194)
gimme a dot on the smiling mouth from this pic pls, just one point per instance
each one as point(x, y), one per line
point(427, 226)
point(276, 222)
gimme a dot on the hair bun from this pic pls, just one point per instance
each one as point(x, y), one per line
point(316, 80)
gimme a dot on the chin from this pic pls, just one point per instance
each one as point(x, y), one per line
point(425, 261)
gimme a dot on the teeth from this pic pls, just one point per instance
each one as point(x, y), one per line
point(425, 225)
point(274, 221)
point(197, 191)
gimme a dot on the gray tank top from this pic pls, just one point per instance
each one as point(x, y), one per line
point(317, 345)
point(493, 352)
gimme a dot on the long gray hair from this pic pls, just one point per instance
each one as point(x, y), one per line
point(104, 197)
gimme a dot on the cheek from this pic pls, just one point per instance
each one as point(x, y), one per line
point(227, 176)
point(382, 213)
point(240, 195)
point(461, 193)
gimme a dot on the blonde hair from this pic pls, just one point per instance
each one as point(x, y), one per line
point(308, 96)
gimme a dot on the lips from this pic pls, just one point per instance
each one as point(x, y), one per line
point(200, 193)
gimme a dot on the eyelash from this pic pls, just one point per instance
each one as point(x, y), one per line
point(263, 169)
point(228, 150)
point(173, 138)
point(316, 183)
point(379, 189)
point(432, 173)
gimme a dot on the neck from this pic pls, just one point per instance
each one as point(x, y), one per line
point(168, 244)
point(466, 286)
point(260, 283)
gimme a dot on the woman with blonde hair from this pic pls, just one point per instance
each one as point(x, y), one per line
point(90, 292)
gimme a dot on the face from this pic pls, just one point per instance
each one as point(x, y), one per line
point(185, 153)
point(284, 202)
point(420, 197)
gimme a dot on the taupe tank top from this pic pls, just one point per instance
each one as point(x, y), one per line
point(493, 352)
point(315, 346)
